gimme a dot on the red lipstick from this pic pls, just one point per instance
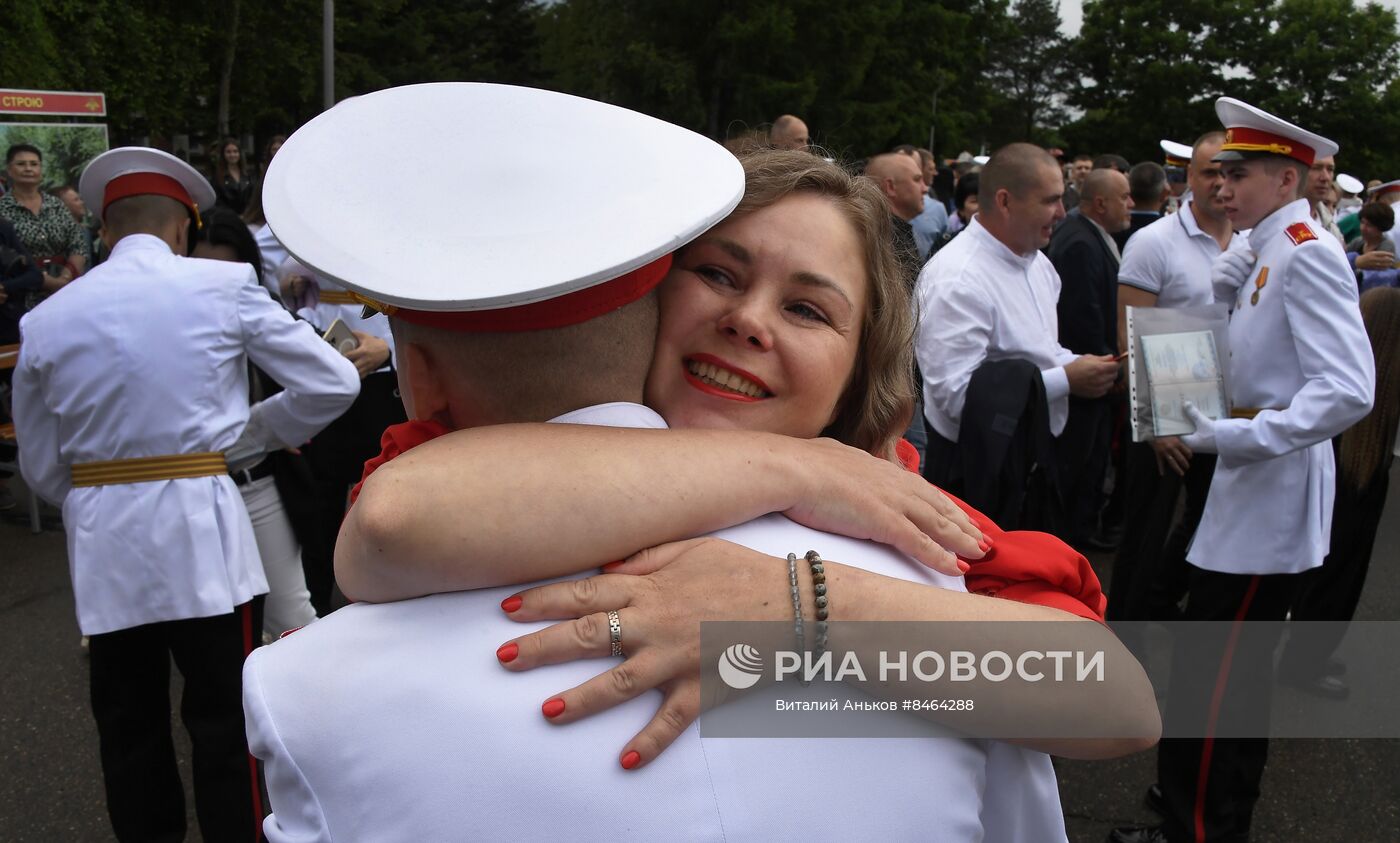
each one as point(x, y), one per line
point(718, 391)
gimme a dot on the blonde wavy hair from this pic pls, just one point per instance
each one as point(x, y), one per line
point(879, 398)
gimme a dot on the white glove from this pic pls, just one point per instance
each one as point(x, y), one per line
point(1202, 441)
point(1229, 271)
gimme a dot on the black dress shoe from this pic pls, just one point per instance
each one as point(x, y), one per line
point(1137, 834)
point(1154, 800)
point(1328, 687)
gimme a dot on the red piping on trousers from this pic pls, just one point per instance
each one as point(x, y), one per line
point(1215, 699)
point(246, 611)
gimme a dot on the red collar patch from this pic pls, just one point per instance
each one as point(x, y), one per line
point(1300, 233)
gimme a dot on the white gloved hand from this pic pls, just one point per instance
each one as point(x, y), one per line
point(1202, 440)
point(1229, 271)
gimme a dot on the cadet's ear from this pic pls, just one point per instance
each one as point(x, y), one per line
point(421, 386)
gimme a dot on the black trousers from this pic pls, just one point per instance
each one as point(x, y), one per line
point(1150, 570)
point(1082, 452)
point(1211, 785)
point(1332, 592)
point(337, 457)
point(130, 687)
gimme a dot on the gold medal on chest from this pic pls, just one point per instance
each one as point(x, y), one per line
point(1259, 283)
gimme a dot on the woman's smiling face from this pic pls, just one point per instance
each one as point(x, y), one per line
point(760, 321)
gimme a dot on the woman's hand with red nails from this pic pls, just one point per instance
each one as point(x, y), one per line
point(661, 596)
point(850, 493)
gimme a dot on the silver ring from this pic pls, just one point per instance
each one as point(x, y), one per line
point(615, 632)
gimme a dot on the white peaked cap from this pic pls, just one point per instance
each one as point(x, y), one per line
point(1250, 130)
point(1350, 184)
point(141, 171)
point(463, 196)
point(1174, 150)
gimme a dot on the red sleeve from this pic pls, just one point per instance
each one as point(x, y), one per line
point(1026, 566)
point(396, 440)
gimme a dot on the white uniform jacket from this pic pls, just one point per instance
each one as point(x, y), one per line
point(980, 301)
point(144, 356)
point(1298, 354)
point(395, 722)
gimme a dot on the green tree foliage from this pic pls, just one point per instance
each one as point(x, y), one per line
point(1152, 69)
point(864, 75)
point(1030, 70)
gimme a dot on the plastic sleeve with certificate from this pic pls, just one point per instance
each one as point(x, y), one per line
point(1176, 355)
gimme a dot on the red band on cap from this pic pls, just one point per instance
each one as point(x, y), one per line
point(1383, 189)
point(558, 312)
point(1242, 139)
point(147, 184)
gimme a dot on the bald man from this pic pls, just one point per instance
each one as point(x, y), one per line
point(790, 132)
point(1086, 258)
point(988, 334)
point(901, 180)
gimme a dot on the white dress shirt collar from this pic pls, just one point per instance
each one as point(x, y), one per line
point(615, 414)
point(999, 249)
point(140, 243)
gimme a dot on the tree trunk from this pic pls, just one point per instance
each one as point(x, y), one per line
point(226, 73)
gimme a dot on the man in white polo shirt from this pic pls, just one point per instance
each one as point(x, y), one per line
point(1167, 264)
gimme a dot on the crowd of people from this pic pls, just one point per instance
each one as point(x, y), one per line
point(907, 356)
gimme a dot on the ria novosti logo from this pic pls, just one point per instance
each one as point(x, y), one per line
point(740, 666)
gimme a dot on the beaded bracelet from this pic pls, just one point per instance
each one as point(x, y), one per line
point(796, 603)
point(819, 587)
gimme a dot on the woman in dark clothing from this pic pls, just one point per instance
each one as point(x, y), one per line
point(233, 183)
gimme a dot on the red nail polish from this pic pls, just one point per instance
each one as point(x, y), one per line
point(613, 566)
point(511, 604)
point(963, 566)
point(631, 759)
point(508, 652)
point(553, 708)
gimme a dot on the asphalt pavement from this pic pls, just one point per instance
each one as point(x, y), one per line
point(51, 785)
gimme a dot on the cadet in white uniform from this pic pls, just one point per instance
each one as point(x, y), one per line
point(428, 739)
point(1300, 372)
point(130, 388)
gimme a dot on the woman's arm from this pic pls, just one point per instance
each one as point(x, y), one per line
point(674, 588)
point(516, 503)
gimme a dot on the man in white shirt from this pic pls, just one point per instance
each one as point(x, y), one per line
point(990, 295)
point(131, 401)
point(1167, 264)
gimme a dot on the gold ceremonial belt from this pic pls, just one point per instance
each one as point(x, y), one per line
point(337, 297)
point(1249, 412)
point(147, 469)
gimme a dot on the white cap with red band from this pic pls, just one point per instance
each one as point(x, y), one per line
point(489, 207)
point(141, 171)
point(1177, 154)
point(1390, 188)
point(1251, 131)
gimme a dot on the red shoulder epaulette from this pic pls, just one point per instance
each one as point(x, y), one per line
point(1300, 233)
